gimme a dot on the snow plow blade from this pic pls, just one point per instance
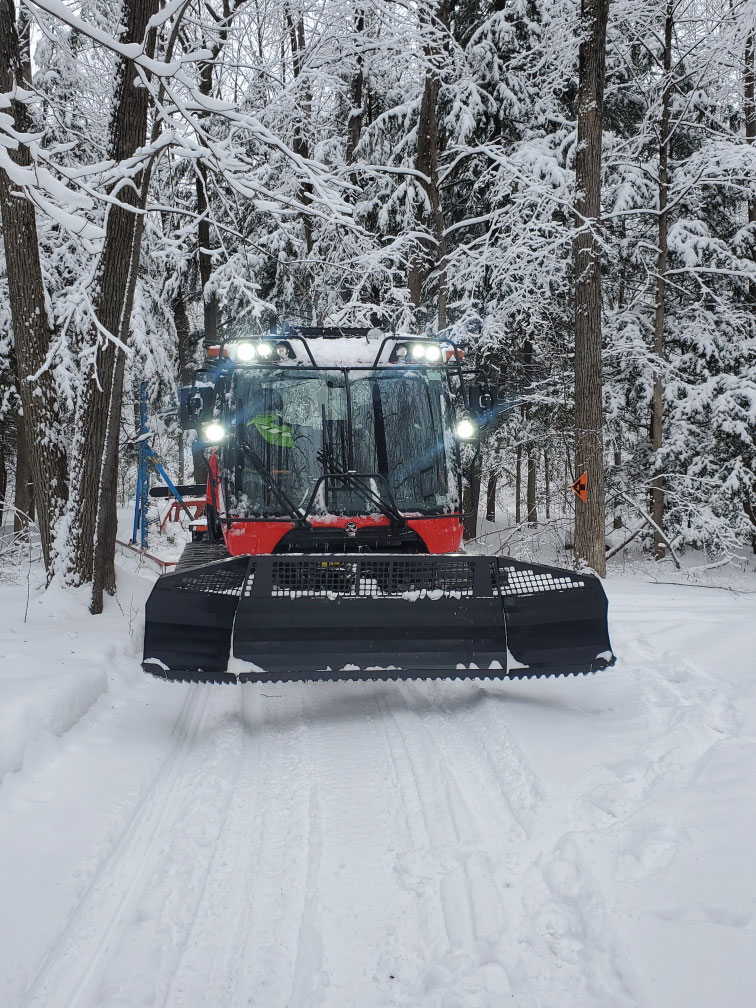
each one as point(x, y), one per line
point(286, 617)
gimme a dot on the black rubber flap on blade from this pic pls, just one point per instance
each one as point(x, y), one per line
point(189, 618)
point(556, 619)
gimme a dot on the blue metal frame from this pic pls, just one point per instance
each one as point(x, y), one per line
point(147, 455)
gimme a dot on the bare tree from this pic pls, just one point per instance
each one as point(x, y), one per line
point(589, 442)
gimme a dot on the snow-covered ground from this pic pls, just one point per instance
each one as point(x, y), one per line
point(581, 842)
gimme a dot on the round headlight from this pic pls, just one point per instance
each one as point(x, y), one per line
point(466, 429)
point(433, 353)
point(264, 350)
point(214, 432)
point(245, 351)
point(418, 351)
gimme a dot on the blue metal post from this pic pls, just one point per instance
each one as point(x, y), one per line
point(144, 453)
point(143, 476)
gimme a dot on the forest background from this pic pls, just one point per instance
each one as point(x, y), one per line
point(167, 168)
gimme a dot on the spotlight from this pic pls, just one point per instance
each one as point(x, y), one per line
point(245, 352)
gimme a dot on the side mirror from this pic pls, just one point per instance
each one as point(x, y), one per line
point(482, 401)
point(196, 404)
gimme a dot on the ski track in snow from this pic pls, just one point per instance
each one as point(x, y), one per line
point(399, 845)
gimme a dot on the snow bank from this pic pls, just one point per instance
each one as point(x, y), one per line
point(56, 660)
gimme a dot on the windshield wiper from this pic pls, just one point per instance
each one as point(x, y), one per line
point(386, 507)
point(270, 482)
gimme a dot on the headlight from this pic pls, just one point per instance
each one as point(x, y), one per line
point(245, 351)
point(433, 353)
point(418, 351)
point(466, 429)
point(264, 350)
point(214, 432)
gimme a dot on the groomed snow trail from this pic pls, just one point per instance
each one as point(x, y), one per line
point(434, 845)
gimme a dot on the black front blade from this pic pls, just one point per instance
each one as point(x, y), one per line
point(373, 617)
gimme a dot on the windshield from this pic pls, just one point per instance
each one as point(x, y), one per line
point(389, 426)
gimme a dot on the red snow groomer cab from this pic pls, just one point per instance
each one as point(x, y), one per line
point(334, 518)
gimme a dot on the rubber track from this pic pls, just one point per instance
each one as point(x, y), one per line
point(267, 679)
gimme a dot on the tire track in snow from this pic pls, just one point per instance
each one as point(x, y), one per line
point(314, 907)
point(242, 945)
point(146, 805)
point(358, 911)
point(214, 932)
point(687, 715)
point(526, 910)
point(464, 958)
point(97, 929)
point(327, 900)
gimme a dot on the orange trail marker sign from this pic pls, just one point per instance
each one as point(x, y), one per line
point(580, 487)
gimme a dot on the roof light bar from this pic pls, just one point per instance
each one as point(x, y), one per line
point(427, 352)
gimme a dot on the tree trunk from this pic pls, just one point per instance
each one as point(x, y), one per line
point(183, 338)
point(300, 144)
point(590, 545)
point(470, 504)
point(356, 112)
point(750, 511)
point(204, 252)
point(749, 108)
point(426, 161)
point(96, 447)
point(532, 489)
point(23, 500)
point(3, 480)
point(749, 115)
point(518, 483)
point(186, 375)
point(617, 524)
point(210, 308)
point(31, 325)
point(204, 249)
point(547, 480)
point(657, 401)
point(493, 479)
